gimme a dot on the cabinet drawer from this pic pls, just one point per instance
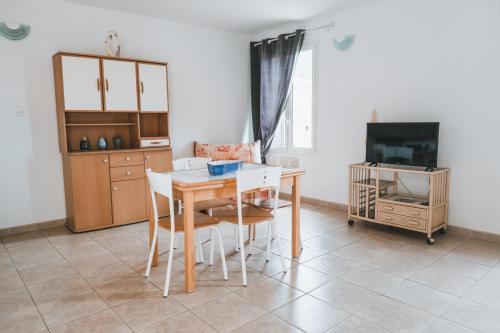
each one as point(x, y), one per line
point(388, 208)
point(389, 218)
point(126, 159)
point(126, 173)
point(420, 213)
point(413, 222)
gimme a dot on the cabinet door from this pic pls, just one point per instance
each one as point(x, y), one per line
point(120, 85)
point(129, 201)
point(81, 83)
point(91, 197)
point(153, 88)
point(158, 161)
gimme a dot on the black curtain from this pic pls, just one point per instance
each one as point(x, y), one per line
point(271, 64)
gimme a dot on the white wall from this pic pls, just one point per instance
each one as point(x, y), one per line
point(413, 60)
point(208, 83)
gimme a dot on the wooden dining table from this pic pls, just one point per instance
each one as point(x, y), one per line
point(197, 185)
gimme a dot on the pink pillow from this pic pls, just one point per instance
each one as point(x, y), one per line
point(247, 152)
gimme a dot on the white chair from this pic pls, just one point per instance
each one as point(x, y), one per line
point(162, 184)
point(266, 177)
point(191, 163)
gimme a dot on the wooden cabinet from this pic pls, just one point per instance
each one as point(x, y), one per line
point(120, 85)
point(153, 94)
point(158, 161)
point(129, 201)
point(88, 196)
point(81, 83)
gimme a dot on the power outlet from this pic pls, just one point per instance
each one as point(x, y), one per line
point(21, 111)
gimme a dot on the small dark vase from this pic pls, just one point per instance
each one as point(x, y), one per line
point(84, 144)
point(117, 142)
point(101, 143)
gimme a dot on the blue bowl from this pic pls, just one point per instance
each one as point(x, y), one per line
point(218, 168)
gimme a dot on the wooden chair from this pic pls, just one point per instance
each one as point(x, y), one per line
point(162, 184)
point(268, 177)
point(191, 163)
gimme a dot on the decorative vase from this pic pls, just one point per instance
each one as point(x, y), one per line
point(117, 142)
point(84, 144)
point(112, 44)
point(101, 143)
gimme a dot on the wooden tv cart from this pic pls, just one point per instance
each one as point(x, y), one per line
point(98, 96)
point(374, 197)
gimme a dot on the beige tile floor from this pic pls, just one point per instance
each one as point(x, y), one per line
point(364, 278)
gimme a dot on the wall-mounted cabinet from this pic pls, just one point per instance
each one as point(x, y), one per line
point(100, 96)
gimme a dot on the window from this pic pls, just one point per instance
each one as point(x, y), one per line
point(295, 130)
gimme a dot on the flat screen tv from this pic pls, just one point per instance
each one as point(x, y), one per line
point(413, 144)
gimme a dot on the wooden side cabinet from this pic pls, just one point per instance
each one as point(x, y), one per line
point(88, 196)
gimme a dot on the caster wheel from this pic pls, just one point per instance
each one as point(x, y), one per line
point(442, 231)
point(350, 222)
point(430, 241)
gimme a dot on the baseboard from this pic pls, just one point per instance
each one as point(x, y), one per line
point(482, 235)
point(316, 202)
point(452, 229)
point(32, 227)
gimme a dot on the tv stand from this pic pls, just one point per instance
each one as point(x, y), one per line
point(373, 197)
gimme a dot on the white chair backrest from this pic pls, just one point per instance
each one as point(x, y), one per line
point(191, 163)
point(284, 161)
point(258, 178)
point(161, 184)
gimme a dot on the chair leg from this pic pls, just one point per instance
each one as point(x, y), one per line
point(268, 248)
point(199, 249)
point(279, 247)
point(151, 252)
point(169, 265)
point(236, 237)
point(250, 241)
point(273, 226)
point(222, 253)
point(242, 254)
point(212, 241)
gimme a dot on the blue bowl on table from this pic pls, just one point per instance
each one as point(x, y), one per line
point(219, 168)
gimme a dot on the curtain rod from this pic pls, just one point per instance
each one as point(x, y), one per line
point(328, 26)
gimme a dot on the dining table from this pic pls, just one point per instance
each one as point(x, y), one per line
point(197, 185)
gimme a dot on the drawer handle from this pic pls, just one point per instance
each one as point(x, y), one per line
point(115, 188)
point(155, 142)
point(127, 158)
point(148, 157)
point(387, 208)
point(128, 173)
point(413, 212)
point(387, 218)
point(413, 222)
point(105, 160)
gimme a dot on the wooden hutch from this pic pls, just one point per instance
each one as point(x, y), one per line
point(102, 96)
point(374, 197)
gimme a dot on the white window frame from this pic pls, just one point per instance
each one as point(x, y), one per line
point(288, 113)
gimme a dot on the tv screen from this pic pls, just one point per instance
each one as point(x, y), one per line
point(414, 144)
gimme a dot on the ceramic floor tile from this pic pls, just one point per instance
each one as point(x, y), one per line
point(66, 309)
point(18, 313)
point(51, 290)
point(185, 322)
point(441, 325)
point(444, 280)
point(303, 278)
point(462, 267)
point(485, 292)
point(332, 265)
point(35, 258)
point(271, 267)
point(9, 278)
point(102, 322)
point(483, 256)
point(355, 324)
point(269, 293)
point(206, 291)
point(477, 316)
point(58, 270)
point(124, 289)
point(228, 312)
point(145, 311)
point(267, 324)
point(310, 314)
point(421, 297)
point(372, 279)
point(89, 247)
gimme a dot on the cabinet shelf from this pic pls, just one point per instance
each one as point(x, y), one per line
point(373, 182)
point(100, 124)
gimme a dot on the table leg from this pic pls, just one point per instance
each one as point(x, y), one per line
point(189, 250)
point(296, 217)
point(151, 232)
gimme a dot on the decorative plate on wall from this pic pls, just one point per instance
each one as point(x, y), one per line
point(14, 31)
point(344, 43)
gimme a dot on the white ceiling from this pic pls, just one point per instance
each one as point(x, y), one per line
point(243, 16)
